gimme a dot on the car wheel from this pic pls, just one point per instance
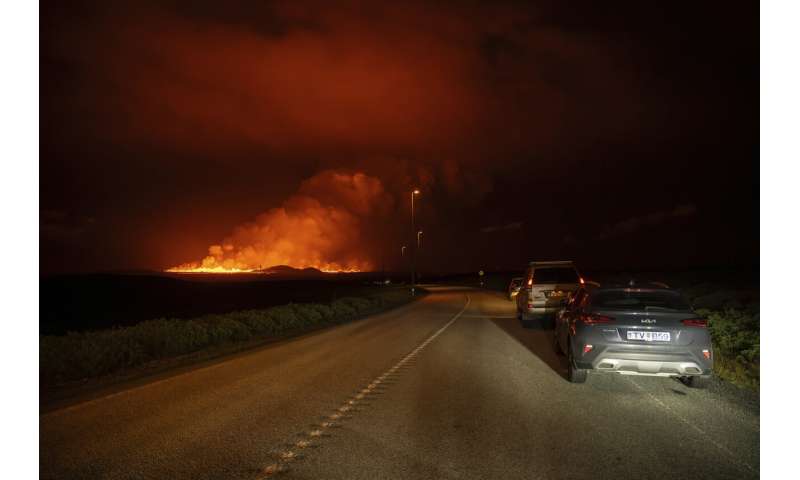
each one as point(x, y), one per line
point(698, 381)
point(575, 374)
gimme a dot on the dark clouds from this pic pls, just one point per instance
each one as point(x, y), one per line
point(173, 122)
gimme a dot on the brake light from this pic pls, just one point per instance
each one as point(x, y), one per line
point(696, 322)
point(593, 319)
point(587, 348)
point(707, 354)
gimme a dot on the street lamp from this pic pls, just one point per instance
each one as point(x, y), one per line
point(414, 193)
point(419, 235)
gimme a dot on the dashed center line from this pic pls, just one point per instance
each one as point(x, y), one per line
point(284, 458)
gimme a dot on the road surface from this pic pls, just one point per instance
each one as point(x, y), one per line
point(450, 386)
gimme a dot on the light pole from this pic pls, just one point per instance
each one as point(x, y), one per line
point(419, 238)
point(414, 193)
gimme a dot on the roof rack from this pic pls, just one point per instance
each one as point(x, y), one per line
point(635, 284)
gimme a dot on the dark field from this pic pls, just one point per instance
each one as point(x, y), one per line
point(75, 303)
point(99, 301)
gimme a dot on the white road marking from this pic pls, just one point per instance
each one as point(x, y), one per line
point(694, 427)
point(287, 456)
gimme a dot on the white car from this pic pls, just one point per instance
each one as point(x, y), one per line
point(545, 290)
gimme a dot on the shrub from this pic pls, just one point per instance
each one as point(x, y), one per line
point(736, 335)
point(360, 305)
point(342, 310)
point(90, 354)
point(283, 318)
point(307, 314)
point(325, 311)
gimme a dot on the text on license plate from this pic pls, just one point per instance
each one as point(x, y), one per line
point(648, 336)
point(555, 294)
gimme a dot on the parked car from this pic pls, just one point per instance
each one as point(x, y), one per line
point(647, 329)
point(545, 290)
point(514, 286)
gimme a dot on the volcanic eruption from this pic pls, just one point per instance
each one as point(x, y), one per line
point(318, 227)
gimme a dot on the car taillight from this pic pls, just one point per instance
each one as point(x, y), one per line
point(707, 354)
point(695, 322)
point(593, 319)
point(587, 348)
point(530, 281)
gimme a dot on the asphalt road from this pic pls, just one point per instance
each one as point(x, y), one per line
point(450, 386)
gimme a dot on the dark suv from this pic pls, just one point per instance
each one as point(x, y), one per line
point(633, 329)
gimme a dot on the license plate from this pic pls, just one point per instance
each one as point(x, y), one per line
point(648, 336)
point(555, 293)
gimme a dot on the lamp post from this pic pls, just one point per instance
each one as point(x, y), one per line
point(414, 193)
point(419, 236)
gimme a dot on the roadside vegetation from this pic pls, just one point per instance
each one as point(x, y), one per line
point(735, 326)
point(737, 336)
point(77, 356)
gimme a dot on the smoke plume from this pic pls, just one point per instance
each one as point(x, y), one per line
point(318, 227)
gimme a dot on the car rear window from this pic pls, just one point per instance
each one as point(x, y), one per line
point(640, 300)
point(555, 275)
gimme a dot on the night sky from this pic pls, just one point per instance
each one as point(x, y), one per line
point(617, 134)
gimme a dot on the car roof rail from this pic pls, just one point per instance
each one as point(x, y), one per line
point(552, 262)
point(592, 283)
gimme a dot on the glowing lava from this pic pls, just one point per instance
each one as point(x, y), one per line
point(188, 268)
point(319, 227)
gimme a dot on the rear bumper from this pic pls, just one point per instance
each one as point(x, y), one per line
point(649, 367)
point(637, 361)
point(542, 311)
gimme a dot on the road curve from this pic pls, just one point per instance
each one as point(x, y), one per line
point(450, 386)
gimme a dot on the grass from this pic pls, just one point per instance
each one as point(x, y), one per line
point(78, 356)
point(736, 336)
